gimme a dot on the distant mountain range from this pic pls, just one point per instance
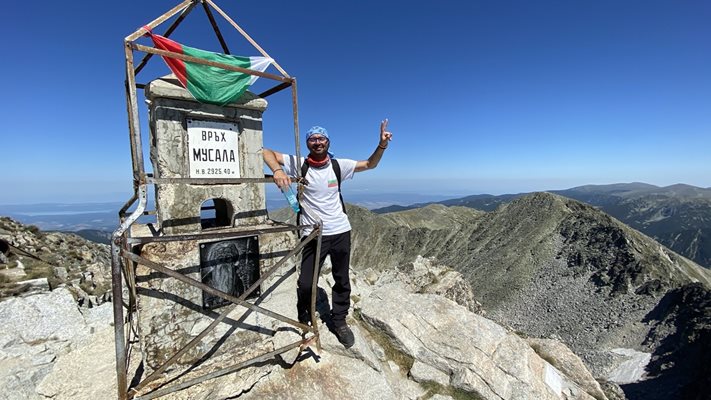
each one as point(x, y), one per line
point(677, 216)
point(550, 266)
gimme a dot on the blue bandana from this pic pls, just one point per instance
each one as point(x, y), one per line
point(317, 130)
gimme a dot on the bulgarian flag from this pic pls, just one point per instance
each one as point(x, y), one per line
point(210, 84)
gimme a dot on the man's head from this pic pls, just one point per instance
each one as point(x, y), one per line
point(317, 141)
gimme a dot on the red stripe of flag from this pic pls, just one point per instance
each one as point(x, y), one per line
point(175, 65)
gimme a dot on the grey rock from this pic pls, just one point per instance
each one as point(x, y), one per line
point(481, 356)
point(361, 350)
point(36, 331)
point(612, 390)
point(93, 362)
point(34, 286)
point(59, 257)
point(422, 372)
point(61, 273)
point(332, 377)
point(563, 359)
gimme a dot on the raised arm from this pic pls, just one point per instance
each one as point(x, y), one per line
point(274, 161)
point(374, 158)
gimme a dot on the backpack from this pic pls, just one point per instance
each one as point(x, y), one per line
point(337, 170)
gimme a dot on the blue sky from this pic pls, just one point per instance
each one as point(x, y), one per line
point(482, 96)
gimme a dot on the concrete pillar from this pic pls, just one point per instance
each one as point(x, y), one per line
point(189, 139)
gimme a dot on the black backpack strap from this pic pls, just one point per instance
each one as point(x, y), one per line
point(337, 170)
point(304, 168)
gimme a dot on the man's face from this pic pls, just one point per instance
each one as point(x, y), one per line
point(318, 144)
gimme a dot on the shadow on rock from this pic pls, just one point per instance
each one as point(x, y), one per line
point(681, 329)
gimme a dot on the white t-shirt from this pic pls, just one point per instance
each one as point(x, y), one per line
point(321, 194)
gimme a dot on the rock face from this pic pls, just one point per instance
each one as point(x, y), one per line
point(567, 362)
point(544, 265)
point(681, 332)
point(408, 346)
point(426, 276)
point(678, 216)
point(473, 353)
point(40, 261)
point(40, 330)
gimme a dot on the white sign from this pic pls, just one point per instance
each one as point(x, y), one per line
point(212, 149)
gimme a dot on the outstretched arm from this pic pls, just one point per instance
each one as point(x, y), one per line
point(374, 158)
point(274, 161)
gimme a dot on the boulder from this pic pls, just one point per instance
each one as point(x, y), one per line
point(481, 357)
point(563, 359)
point(37, 331)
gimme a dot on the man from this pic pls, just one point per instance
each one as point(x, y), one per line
point(322, 196)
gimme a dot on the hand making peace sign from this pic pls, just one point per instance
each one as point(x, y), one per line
point(385, 136)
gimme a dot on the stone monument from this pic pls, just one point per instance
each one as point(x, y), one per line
point(205, 143)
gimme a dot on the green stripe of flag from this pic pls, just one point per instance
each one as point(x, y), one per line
point(216, 85)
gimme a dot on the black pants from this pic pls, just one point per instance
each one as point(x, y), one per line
point(339, 248)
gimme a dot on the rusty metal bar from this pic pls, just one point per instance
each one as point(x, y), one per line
point(224, 371)
point(214, 235)
point(135, 172)
point(133, 124)
point(215, 28)
point(117, 295)
point(170, 54)
point(167, 33)
point(246, 36)
point(295, 110)
point(314, 282)
point(275, 89)
point(140, 186)
point(119, 334)
point(223, 315)
point(129, 203)
point(142, 31)
point(212, 291)
point(211, 181)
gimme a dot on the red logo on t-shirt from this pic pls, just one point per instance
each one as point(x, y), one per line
point(333, 183)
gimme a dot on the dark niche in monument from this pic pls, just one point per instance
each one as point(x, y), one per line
point(231, 266)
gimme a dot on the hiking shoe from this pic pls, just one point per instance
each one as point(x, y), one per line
point(345, 335)
point(305, 318)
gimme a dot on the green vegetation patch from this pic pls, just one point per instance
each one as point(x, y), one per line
point(433, 388)
point(403, 360)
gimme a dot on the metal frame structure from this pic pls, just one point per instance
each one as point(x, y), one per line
point(123, 259)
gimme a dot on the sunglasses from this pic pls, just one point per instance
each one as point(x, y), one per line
point(319, 139)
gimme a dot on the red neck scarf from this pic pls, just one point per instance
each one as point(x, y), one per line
point(317, 164)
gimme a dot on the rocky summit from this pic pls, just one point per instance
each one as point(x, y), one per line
point(552, 267)
point(420, 334)
point(543, 298)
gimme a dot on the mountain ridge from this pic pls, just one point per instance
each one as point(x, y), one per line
point(678, 216)
point(546, 265)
